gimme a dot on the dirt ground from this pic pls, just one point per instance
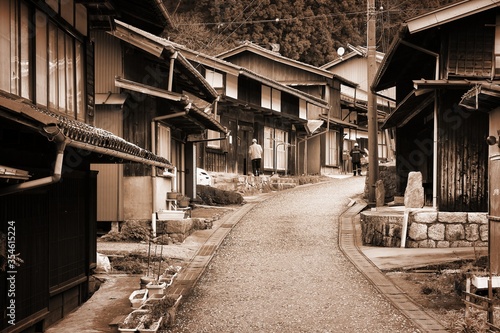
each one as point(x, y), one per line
point(438, 289)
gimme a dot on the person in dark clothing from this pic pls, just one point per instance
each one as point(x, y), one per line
point(356, 154)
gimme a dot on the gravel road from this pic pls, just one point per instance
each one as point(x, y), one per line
point(281, 270)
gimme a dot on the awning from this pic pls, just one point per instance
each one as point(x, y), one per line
point(338, 122)
point(187, 77)
point(226, 102)
point(411, 105)
point(78, 134)
point(189, 118)
point(313, 125)
point(110, 99)
point(482, 97)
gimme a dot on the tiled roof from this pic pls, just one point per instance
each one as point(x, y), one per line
point(80, 134)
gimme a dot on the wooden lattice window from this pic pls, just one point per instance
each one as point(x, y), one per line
point(471, 50)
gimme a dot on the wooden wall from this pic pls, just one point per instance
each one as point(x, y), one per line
point(463, 157)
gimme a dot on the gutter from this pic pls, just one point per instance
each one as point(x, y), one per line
point(53, 133)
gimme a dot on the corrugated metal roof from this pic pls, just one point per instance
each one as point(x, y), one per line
point(249, 46)
point(449, 13)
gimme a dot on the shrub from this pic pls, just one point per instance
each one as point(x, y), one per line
point(213, 196)
point(136, 230)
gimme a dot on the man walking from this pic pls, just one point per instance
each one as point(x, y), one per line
point(255, 153)
point(356, 159)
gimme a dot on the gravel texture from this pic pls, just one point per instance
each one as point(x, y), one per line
point(281, 270)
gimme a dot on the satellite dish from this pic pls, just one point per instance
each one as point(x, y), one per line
point(340, 51)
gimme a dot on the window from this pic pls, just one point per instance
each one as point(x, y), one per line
point(15, 48)
point(382, 146)
point(268, 148)
point(52, 75)
point(281, 149)
point(275, 142)
point(271, 98)
point(214, 135)
point(215, 79)
point(331, 148)
point(163, 146)
point(63, 71)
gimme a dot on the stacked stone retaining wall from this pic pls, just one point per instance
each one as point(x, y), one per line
point(426, 229)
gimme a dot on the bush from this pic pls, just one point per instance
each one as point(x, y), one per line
point(213, 196)
point(136, 230)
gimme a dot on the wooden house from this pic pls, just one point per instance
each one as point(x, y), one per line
point(438, 63)
point(153, 95)
point(250, 106)
point(48, 144)
point(354, 101)
point(318, 151)
point(253, 106)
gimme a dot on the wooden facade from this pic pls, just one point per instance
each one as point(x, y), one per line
point(253, 106)
point(437, 132)
point(48, 190)
point(312, 155)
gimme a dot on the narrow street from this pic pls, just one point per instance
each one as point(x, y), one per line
point(281, 270)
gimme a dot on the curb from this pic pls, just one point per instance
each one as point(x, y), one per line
point(349, 245)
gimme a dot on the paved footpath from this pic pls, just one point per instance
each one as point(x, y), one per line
point(285, 262)
point(276, 266)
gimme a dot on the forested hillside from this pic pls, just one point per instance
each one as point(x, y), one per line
point(306, 30)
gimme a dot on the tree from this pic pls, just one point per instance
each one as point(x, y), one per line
point(306, 30)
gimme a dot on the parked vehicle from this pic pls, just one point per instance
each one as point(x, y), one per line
point(203, 178)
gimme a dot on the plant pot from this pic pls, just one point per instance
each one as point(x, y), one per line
point(138, 297)
point(156, 287)
point(184, 203)
point(170, 215)
point(167, 278)
point(145, 280)
point(154, 297)
point(132, 321)
point(172, 195)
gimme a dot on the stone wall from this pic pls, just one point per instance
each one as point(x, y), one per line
point(426, 229)
point(179, 230)
point(386, 173)
point(443, 229)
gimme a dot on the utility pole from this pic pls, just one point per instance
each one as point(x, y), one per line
point(372, 102)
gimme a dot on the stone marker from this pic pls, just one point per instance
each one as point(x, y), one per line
point(379, 193)
point(414, 193)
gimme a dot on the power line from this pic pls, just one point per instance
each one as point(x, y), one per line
point(275, 20)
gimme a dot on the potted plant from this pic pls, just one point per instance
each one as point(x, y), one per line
point(149, 324)
point(163, 308)
point(183, 201)
point(156, 287)
point(132, 321)
point(169, 274)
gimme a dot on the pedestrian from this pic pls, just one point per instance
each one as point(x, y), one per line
point(356, 154)
point(255, 153)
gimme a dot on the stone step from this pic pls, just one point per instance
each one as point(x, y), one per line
point(283, 186)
